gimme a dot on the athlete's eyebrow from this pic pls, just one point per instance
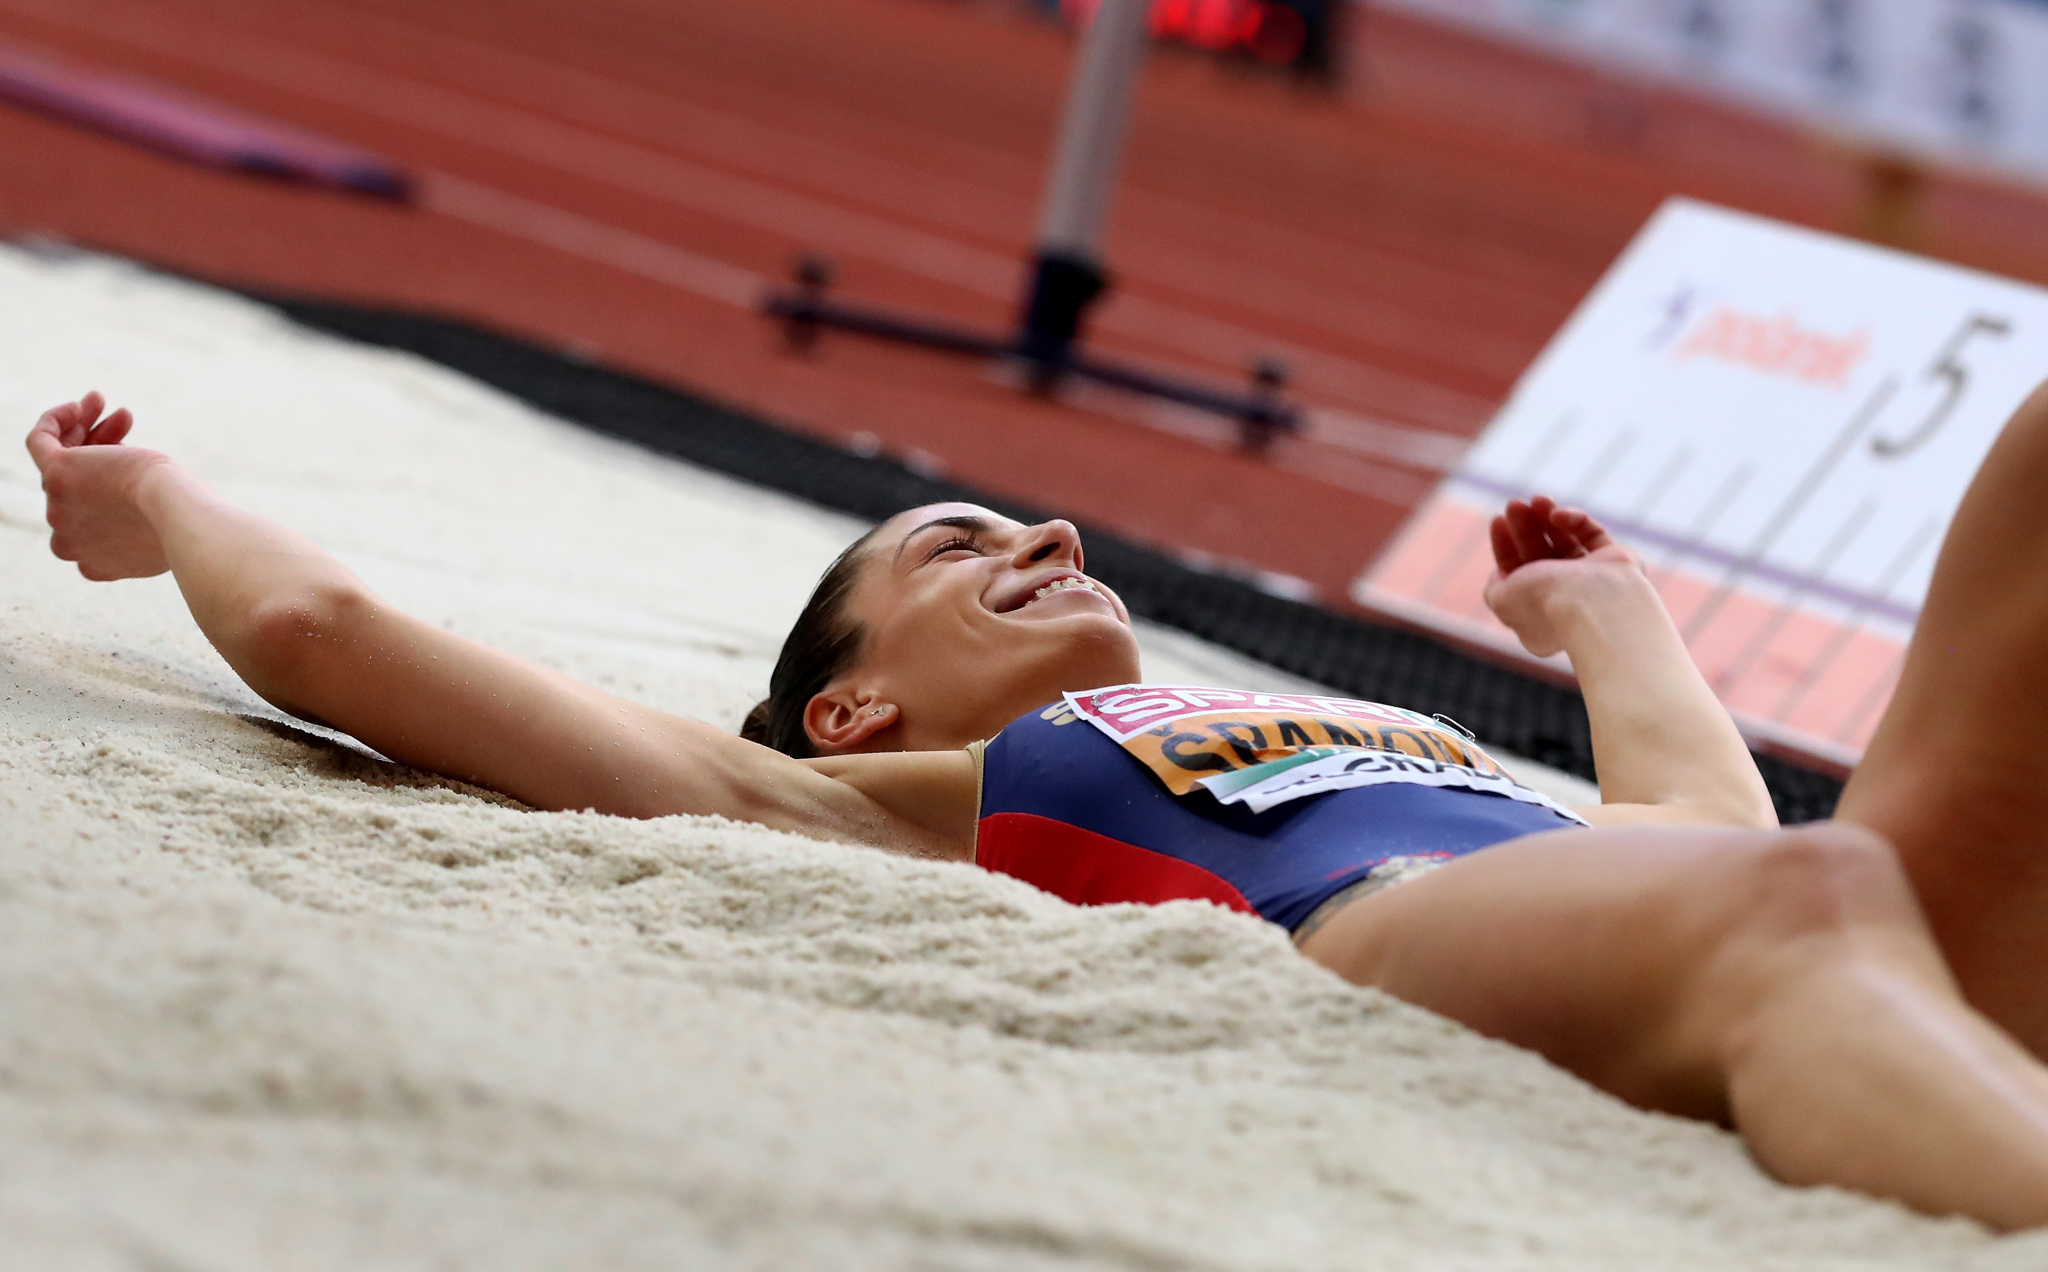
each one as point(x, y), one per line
point(959, 521)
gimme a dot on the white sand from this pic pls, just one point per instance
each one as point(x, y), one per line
point(267, 1003)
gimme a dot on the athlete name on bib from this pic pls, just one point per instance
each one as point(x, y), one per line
point(1264, 749)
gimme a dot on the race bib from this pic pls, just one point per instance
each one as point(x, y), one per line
point(1264, 749)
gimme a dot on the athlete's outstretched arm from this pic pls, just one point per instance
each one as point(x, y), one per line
point(1664, 746)
point(308, 636)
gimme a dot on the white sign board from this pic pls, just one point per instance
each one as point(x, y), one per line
point(1782, 422)
point(1966, 79)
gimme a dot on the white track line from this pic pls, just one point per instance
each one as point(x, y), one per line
point(576, 235)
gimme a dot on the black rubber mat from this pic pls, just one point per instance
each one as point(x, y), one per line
point(1383, 664)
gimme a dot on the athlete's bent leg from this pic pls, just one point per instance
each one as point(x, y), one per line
point(1781, 980)
point(1956, 776)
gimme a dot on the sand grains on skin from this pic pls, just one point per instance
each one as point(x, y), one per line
point(268, 1002)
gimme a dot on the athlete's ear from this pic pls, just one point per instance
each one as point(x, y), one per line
point(841, 719)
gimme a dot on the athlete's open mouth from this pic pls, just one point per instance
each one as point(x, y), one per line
point(1019, 599)
point(1067, 583)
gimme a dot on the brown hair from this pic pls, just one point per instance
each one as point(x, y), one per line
point(820, 647)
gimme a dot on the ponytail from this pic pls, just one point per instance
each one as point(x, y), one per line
point(822, 646)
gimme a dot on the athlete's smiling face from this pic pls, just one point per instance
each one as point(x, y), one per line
point(971, 619)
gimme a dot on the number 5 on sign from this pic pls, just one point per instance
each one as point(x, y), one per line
point(1955, 373)
point(1782, 423)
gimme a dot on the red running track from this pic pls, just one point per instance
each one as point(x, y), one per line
point(623, 177)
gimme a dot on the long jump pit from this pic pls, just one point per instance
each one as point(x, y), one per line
point(268, 1001)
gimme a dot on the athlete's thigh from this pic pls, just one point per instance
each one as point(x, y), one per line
point(1956, 775)
point(1577, 944)
point(1958, 766)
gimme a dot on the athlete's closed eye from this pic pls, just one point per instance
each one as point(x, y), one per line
point(956, 544)
point(968, 533)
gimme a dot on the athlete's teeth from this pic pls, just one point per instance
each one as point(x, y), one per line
point(1061, 585)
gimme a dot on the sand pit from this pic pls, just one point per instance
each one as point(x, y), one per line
point(267, 1002)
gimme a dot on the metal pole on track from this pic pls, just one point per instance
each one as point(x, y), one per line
point(1067, 273)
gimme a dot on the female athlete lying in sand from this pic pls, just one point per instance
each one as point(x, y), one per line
point(1865, 1001)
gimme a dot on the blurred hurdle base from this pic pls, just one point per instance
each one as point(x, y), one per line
point(1067, 275)
point(804, 312)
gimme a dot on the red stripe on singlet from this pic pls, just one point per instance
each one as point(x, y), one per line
point(1090, 869)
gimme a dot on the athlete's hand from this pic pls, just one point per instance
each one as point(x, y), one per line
point(1547, 559)
point(91, 481)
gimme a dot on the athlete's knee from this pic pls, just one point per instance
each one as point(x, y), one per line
point(1780, 908)
point(1820, 881)
point(1803, 903)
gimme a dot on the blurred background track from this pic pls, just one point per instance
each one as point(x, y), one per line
point(623, 179)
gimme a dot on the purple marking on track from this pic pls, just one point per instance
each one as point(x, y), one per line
point(178, 123)
point(1862, 602)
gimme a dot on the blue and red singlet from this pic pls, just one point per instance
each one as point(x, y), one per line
point(1266, 803)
